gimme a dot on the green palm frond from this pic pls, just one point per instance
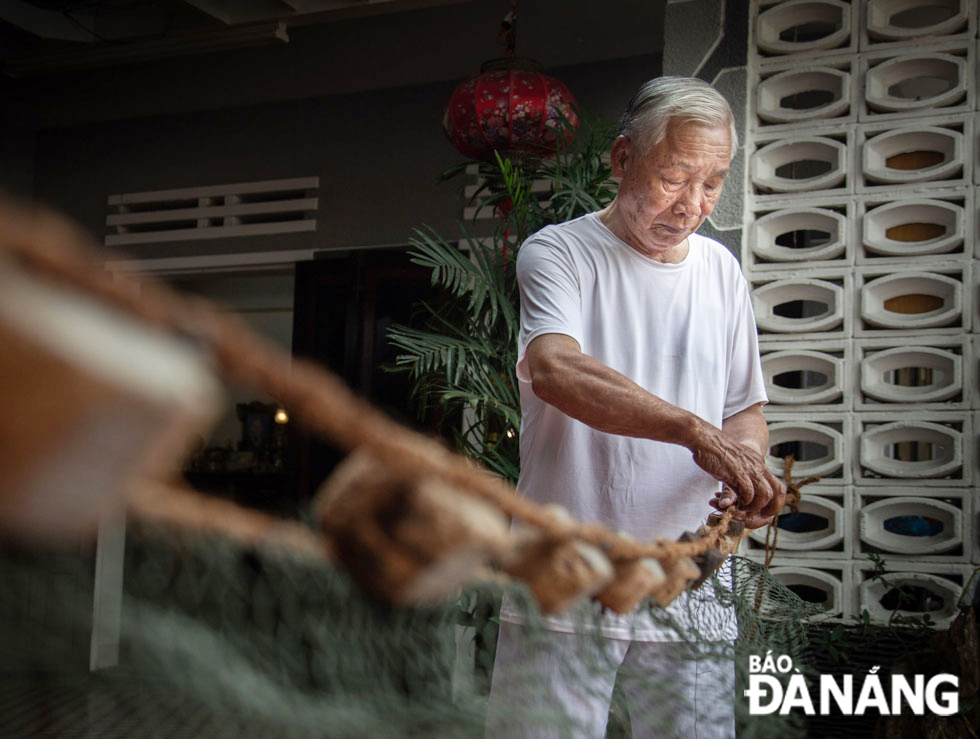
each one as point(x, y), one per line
point(450, 267)
point(427, 351)
point(461, 351)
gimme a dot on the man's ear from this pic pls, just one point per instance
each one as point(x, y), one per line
point(619, 155)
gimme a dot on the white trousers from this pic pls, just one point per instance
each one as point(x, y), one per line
point(553, 684)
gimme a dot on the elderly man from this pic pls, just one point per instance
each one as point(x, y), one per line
point(641, 393)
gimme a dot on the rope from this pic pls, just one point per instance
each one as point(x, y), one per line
point(50, 245)
point(793, 496)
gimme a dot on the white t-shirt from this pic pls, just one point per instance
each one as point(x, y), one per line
point(684, 332)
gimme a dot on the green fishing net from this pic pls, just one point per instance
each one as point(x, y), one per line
point(223, 640)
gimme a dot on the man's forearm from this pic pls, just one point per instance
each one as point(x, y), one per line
point(599, 396)
point(585, 389)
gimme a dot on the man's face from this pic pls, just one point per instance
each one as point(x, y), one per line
point(666, 193)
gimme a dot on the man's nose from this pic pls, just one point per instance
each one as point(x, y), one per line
point(689, 201)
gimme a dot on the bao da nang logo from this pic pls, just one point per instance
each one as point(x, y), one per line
point(770, 691)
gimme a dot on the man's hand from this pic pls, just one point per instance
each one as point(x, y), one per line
point(727, 498)
point(758, 493)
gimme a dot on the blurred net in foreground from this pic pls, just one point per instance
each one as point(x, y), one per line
point(224, 640)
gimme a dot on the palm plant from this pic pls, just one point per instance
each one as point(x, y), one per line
point(462, 352)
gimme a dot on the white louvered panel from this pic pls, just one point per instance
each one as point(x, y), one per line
point(217, 211)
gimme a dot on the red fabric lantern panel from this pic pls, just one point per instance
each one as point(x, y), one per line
point(512, 110)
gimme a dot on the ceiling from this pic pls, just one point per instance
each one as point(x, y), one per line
point(44, 37)
point(75, 62)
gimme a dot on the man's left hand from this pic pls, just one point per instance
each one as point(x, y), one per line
point(726, 498)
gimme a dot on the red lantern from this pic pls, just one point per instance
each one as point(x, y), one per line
point(510, 107)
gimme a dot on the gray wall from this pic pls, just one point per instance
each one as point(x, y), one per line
point(378, 155)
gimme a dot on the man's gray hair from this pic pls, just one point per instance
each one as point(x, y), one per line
point(662, 99)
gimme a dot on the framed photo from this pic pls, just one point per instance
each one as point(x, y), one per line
point(257, 419)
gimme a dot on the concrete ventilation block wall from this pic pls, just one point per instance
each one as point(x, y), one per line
point(859, 242)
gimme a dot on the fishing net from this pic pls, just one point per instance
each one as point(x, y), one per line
point(224, 640)
point(376, 615)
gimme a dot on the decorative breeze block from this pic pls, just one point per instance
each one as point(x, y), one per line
point(818, 374)
point(826, 227)
point(823, 529)
point(889, 524)
point(811, 438)
point(882, 373)
point(912, 301)
point(916, 82)
point(939, 601)
point(903, 20)
point(880, 449)
point(889, 157)
point(816, 586)
point(913, 227)
point(240, 209)
point(825, 157)
point(775, 25)
point(801, 293)
point(776, 95)
point(860, 248)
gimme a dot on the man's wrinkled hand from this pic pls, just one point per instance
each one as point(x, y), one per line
point(726, 498)
point(758, 493)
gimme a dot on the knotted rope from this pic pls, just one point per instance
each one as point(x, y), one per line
point(49, 245)
point(793, 496)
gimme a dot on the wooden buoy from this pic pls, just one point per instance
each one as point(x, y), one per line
point(560, 572)
point(633, 581)
point(728, 542)
point(679, 576)
point(708, 562)
point(735, 527)
point(727, 545)
point(93, 399)
point(409, 541)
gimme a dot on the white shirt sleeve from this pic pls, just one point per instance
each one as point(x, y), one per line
point(746, 386)
point(550, 294)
